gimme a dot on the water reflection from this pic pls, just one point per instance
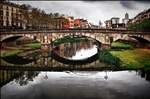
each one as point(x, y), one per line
point(47, 60)
point(77, 51)
point(79, 85)
point(23, 77)
point(26, 77)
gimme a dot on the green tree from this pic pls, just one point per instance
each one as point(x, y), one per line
point(141, 26)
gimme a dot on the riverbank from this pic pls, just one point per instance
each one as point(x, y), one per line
point(10, 51)
point(134, 59)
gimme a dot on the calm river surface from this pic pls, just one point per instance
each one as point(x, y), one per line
point(69, 71)
point(77, 85)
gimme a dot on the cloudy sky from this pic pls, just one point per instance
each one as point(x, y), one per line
point(93, 11)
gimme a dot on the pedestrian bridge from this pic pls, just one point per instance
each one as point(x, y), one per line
point(104, 36)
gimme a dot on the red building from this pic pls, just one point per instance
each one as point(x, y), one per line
point(66, 24)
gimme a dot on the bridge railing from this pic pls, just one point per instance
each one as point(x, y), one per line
point(93, 30)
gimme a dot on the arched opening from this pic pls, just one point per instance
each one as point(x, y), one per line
point(76, 49)
point(18, 40)
point(124, 43)
point(142, 43)
point(132, 41)
point(26, 40)
point(141, 40)
point(18, 43)
point(11, 41)
point(54, 43)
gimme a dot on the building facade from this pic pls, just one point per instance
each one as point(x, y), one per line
point(64, 21)
point(107, 24)
point(140, 17)
point(11, 15)
point(114, 22)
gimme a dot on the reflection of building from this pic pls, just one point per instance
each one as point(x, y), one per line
point(11, 15)
point(70, 49)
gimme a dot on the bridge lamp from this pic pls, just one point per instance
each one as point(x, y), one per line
point(105, 77)
point(46, 77)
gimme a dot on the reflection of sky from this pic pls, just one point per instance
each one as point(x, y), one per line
point(84, 53)
point(79, 83)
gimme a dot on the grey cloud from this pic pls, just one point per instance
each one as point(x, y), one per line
point(143, 1)
point(128, 4)
point(93, 11)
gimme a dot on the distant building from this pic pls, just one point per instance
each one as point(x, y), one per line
point(63, 21)
point(94, 26)
point(60, 23)
point(140, 17)
point(81, 23)
point(76, 23)
point(107, 24)
point(120, 26)
point(71, 20)
point(114, 22)
point(126, 19)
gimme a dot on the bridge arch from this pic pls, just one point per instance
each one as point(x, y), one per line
point(18, 36)
point(95, 36)
point(141, 39)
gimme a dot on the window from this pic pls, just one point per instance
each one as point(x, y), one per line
point(7, 13)
point(1, 23)
point(1, 6)
point(7, 24)
point(1, 18)
point(1, 13)
point(12, 15)
point(7, 7)
point(7, 18)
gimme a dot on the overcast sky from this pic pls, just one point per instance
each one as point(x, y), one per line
point(93, 11)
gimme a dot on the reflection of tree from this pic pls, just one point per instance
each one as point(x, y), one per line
point(144, 74)
point(26, 77)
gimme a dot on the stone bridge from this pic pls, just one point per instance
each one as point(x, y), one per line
point(104, 36)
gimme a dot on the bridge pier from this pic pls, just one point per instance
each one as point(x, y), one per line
point(105, 46)
point(45, 46)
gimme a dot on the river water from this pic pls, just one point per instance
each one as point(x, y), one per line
point(69, 71)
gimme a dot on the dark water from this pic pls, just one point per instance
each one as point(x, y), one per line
point(70, 71)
